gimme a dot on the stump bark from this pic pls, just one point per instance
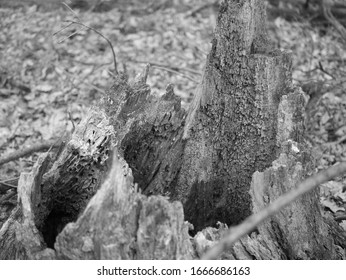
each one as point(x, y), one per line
point(239, 147)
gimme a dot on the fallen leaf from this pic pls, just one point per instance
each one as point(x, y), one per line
point(44, 88)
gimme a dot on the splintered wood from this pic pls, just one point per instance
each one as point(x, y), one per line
point(140, 174)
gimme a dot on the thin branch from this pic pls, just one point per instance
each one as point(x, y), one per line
point(176, 72)
point(235, 233)
point(94, 87)
point(172, 69)
point(330, 17)
point(4, 187)
point(62, 29)
point(175, 68)
point(7, 184)
point(28, 151)
point(91, 28)
point(12, 181)
point(5, 199)
point(69, 36)
point(99, 65)
point(321, 68)
point(71, 10)
point(196, 10)
point(3, 183)
point(104, 37)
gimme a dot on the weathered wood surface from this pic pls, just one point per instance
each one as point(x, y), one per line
point(60, 194)
point(244, 116)
point(239, 147)
point(121, 223)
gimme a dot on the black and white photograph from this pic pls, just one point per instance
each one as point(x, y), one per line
point(185, 130)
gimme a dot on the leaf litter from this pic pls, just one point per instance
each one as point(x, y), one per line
point(43, 82)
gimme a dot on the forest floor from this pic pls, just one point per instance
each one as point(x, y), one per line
point(48, 80)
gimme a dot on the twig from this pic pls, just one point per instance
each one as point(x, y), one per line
point(254, 220)
point(321, 68)
point(69, 36)
point(6, 186)
point(5, 199)
point(172, 69)
point(13, 180)
point(176, 72)
point(71, 10)
point(3, 183)
point(28, 151)
point(88, 27)
point(175, 68)
point(94, 87)
point(200, 8)
point(330, 17)
point(104, 37)
point(99, 65)
point(10, 183)
point(62, 29)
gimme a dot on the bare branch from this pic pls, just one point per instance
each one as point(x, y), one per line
point(198, 9)
point(62, 29)
point(175, 68)
point(8, 184)
point(176, 72)
point(28, 151)
point(71, 10)
point(254, 220)
point(78, 22)
point(321, 68)
point(104, 37)
point(69, 36)
point(330, 17)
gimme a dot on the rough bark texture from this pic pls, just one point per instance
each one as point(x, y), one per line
point(243, 114)
point(238, 148)
point(121, 223)
point(231, 127)
point(232, 132)
point(58, 193)
point(293, 230)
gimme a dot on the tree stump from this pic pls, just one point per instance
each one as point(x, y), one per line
point(239, 147)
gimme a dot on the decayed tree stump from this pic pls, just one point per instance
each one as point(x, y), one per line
point(239, 147)
point(231, 127)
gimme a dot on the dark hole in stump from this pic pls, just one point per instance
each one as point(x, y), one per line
point(211, 202)
point(206, 204)
point(53, 225)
